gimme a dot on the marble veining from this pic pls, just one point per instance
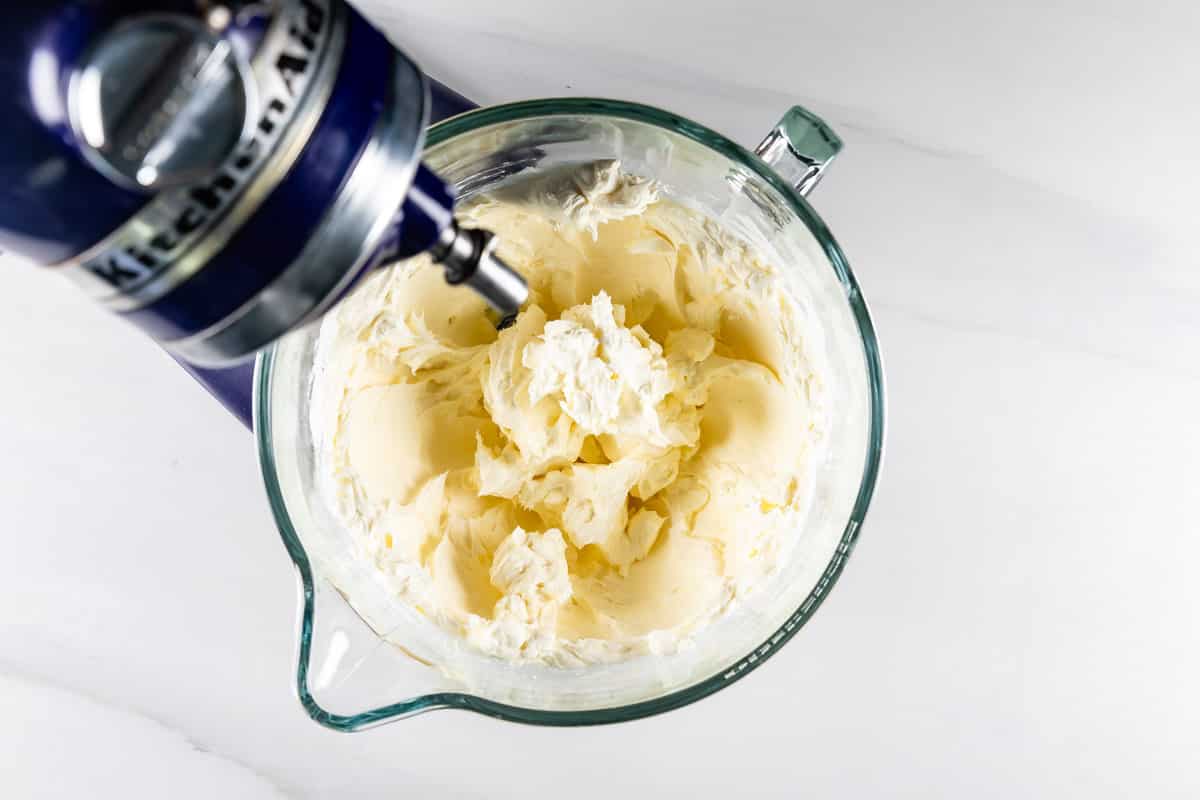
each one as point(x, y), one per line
point(1017, 618)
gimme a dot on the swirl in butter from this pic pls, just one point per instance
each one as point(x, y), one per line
point(608, 475)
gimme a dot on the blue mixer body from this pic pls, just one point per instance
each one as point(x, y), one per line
point(53, 204)
point(233, 386)
point(201, 266)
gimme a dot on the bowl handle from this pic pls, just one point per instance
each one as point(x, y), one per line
point(799, 148)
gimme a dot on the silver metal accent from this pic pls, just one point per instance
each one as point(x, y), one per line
point(173, 237)
point(469, 257)
point(347, 238)
point(799, 148)
point(161, 100)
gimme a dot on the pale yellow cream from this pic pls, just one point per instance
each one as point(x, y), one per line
point(603, 478)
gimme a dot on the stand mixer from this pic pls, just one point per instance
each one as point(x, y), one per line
point(218, 174)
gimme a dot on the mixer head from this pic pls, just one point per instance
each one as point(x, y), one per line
point(221, 173)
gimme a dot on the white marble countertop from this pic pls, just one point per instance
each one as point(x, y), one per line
point(1020, 619)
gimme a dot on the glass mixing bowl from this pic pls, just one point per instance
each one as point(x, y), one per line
point(365, 658)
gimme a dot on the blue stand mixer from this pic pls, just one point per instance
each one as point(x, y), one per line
point(221, 173)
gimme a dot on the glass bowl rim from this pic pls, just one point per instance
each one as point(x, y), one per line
point(471, 121)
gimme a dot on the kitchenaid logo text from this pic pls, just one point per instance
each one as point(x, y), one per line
point(283, 70)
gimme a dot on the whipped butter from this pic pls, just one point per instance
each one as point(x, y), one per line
point(603, 478)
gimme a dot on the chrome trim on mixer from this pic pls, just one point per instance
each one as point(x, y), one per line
point(124, 152)
point(175, 235)
point(346, 239)
point(469, 257)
